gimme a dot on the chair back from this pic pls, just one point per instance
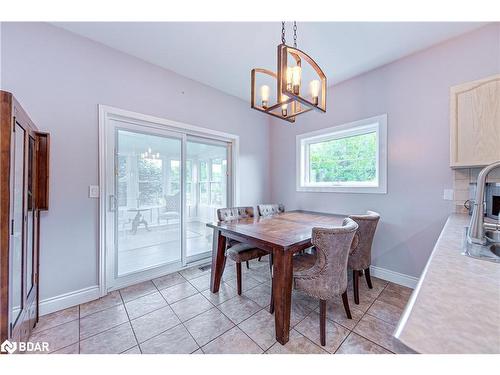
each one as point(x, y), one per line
point(361, 254)
point(234, 213)
point(329, 273)
point(172, 203)
point(270, 209)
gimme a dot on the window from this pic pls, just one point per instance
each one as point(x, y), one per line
point(174, 177)
point(189, 183)
point(122, 181)
point(212, 174)
point(350, 158)
point(150, 181)
point(216, 181)
point(204, 182)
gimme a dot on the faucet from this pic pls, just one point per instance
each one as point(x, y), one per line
point(477, 224)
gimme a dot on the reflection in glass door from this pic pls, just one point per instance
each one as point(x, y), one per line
point(147, 201)
point(206, 190)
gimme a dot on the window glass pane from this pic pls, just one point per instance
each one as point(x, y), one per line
point(216, 170)
point(150, 181)
point(203, 192)
point(122, 181)
point(349, 159)
point(189, 183)
point(203, 170)
point(174, 177)
point(216, 193)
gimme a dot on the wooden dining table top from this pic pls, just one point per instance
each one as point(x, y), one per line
point(288, 229)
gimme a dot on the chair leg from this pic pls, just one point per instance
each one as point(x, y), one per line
point(271, 305)
point(346, 305)
point(259, 259)
point(238, 277)
point(248, 266)
point(355, 285)
point(368, 278)
point(322, 321)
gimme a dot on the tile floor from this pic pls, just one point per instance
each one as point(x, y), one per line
point(178, 314)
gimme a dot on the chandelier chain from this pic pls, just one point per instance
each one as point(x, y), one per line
point(283, 41)
point(294, 34)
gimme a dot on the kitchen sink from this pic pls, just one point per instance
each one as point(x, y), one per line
point(490, 251)
point(495, 249)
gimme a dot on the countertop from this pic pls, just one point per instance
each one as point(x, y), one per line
point(455, 307)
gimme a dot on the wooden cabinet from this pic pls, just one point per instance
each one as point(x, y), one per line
point(475, 123)
point(24, 162)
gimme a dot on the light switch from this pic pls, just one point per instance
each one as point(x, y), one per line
point(94, 191)
point(448, 194)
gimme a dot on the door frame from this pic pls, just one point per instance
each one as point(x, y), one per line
point(107, 113)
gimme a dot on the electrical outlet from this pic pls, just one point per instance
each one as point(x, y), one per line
point(448, 194)
point(94, 191)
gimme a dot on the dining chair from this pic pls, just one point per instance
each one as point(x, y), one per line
point(361, 250)
point(323, 274)
point(270, 209)
point(237, 251)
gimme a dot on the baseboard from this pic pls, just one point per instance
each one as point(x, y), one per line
point(394, 277)
point(63, 301)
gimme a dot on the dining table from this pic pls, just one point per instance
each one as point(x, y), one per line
point(281, 235)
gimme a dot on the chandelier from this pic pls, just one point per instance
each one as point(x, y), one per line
point(150, 155)
point(291, 98)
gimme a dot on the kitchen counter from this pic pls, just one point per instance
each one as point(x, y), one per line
point(455, 307)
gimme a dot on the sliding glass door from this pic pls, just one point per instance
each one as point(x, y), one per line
point(148, 201)
point(206, 191)
point(163, 187)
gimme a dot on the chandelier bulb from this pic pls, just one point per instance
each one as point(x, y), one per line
point(264, 95)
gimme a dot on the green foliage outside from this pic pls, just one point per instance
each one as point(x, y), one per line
point(345, 159)
point(150, 181)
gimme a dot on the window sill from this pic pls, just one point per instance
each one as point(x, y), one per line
point(344, 189)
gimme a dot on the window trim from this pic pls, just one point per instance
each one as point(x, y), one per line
point(376, 123)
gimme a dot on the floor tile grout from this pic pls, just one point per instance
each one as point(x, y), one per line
point(181, 322)
point(366, 313)
point(131, 326)
point(259, 284)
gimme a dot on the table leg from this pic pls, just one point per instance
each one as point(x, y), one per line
point(218, 260)
point(282, 293)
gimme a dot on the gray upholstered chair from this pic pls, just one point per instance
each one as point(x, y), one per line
point(270, 209)
point(237, 251)
point(323, 274)
point(360, 256)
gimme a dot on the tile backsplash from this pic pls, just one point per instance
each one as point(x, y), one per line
point(461, 180)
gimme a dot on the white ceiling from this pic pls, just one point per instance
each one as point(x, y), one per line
point(221, 54)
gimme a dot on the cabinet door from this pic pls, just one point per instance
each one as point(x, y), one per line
point(30, 223)
point(16, 288)
point(475, 123)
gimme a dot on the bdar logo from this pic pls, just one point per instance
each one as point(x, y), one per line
point(8, 347)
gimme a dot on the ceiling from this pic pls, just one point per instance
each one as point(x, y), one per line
point(221, 54)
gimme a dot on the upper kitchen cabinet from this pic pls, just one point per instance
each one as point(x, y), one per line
point(475, 123)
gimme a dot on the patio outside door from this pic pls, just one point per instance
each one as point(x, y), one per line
point(207, 190)
point(162, 188)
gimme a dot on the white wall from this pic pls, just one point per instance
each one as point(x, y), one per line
point(414, 92)
point(60, 78)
